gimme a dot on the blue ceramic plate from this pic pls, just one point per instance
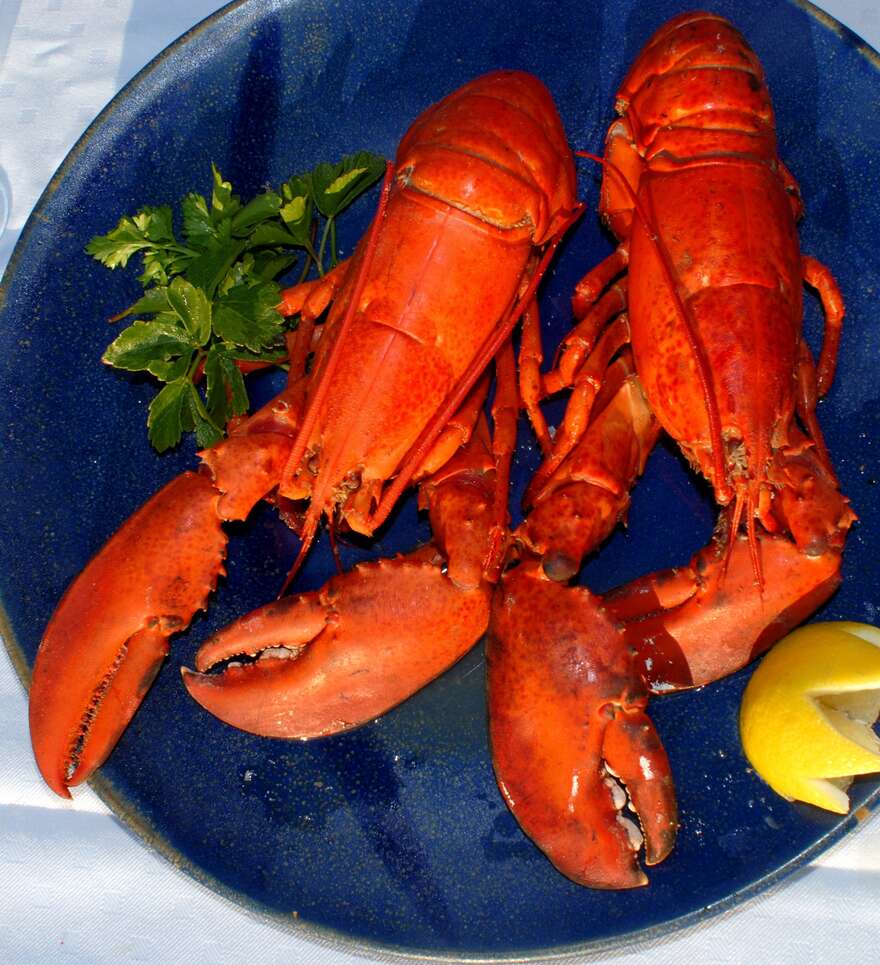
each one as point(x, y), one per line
point(395, 835)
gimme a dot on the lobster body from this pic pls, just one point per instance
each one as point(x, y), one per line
point(734, 298)
point(482, 190)
point(483, 178)
point(705, 213)
point(714, 248)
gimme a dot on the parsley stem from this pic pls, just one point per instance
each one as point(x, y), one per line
point(309, 261)
point(203, 412)
point(181, 250)
point(200, 356)
point(313, 255)
point(333, 251)
point(324, 236)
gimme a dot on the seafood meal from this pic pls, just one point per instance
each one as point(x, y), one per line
point(692, 327)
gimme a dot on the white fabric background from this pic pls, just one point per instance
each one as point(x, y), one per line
point(74, 885)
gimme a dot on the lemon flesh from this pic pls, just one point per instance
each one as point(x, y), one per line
point(807, 713)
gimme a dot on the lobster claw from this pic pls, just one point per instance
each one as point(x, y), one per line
point(569, 732)
point(333, 659)
point(109, 635)
point(692, 625)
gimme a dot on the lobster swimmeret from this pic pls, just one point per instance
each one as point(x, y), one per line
point(483, 178)
point(711, 306)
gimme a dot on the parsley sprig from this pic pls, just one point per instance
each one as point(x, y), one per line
point(210, 300)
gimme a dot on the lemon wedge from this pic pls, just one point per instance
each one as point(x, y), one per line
point(807, 713)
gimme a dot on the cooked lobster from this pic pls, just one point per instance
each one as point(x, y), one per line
point(702, 302)
point(482, 189)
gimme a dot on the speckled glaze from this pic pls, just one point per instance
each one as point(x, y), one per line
point(395, 835)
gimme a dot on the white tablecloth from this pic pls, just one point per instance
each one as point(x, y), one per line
point(75, 886)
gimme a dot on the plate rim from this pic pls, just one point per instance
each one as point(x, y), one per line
point(138, 826)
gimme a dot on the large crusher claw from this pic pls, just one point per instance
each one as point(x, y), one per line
point(571, 742)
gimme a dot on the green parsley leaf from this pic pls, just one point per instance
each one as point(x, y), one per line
point(155, 223)
point(335, 186)
point(268, 264)
point(165, 418)
point(142, 342)
point(192, 307)
point(169, 370)
point(275, 235)
point(207, 432)
point(153, 300)
point(296, 211)
point(238, 399)
point(262, 207)
point(213, 264)
point(248, 316)
point(225, 388)
point(197, 223)
point(215, 386)
point(148, 230)
point(223, 201)
point(117, 246)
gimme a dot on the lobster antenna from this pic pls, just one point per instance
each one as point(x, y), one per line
point(753, 541)
point(488, 350)
point(706, 386)
point(334, 542)
point(310, 527)
point(734, 529)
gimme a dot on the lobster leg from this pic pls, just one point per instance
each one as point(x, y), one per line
point(311, 298)
point(817, 276)
point(807, 398)
point(324, 662)
point(531, 356)
point(587, 383)
point(456, 434)
point(582, 501)
point(591, 286)
point(578, 344)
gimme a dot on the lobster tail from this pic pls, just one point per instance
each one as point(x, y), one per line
point(726, 108)
point(457, 144)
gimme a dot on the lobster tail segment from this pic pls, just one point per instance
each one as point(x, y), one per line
point(526, 177)
point(696, 91)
